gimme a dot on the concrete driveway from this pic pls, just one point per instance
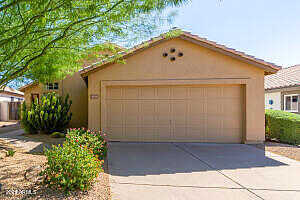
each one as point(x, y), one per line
point(200, 171)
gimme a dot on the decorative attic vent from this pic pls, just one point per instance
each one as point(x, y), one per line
point(172, 54)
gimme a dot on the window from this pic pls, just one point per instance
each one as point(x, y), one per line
point(12, 99)
point(52, 86)
point(291, 103)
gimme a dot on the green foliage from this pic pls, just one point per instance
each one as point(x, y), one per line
point(49, 115)
point(10, 153)
point(283, 126)
point(43, 40)
point(71, 167)
point(77, 163)
point(57, 135)
point(94, 140)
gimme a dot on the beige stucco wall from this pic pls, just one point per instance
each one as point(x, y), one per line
point(4, 111)
point(77, 89)
point(198, 66)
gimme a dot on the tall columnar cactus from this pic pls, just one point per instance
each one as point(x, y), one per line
point(49, 115)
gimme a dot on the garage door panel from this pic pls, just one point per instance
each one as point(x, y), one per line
point(131, 133)
point(179, 92)
point(214, 134)
point(198, 93)
point(214, 122)
point(147, 113)
point(197, 122)
point(115, 133)
point(115, 112)
point(232, 92)
point(231, 134)
point(214, 106)
point(131, 113)
point(164, 133)
point(196, 133)
point(232, 123)
point(175, 113)
point(197, 107)
point(163, 93)
point(179, 112)
point(164, 116)
point(148, 134)
point(130, 93)
point(179, 133)
point(114, 93)
point(147, 93)
point(214, 92)
point(235, 108)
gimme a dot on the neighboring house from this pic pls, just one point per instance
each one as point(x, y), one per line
point(9, 94)
point(282, 90)
point(8, 110)
point(181, 89)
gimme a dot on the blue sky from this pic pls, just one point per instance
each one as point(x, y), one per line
point(267, 29)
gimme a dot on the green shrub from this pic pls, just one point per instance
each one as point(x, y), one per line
point(283, 126)
point(94, 140)
point(10, 153)
point(57, 135)
point(71, 167)
point(50, 115)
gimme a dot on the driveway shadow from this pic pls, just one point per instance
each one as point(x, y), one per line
point(140, 159)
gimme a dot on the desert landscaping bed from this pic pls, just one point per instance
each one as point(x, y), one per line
point(290, 151)
point(19, 174)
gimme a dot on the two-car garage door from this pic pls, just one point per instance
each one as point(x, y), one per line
point(200, 113)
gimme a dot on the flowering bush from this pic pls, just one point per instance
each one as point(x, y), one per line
point(75, 164)
point(71, 167)
point(94, 140)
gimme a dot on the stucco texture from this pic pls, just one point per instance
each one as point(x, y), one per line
point(197, 67)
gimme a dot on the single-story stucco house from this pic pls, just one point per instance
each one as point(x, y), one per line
point(282, 90)
point(179, 89)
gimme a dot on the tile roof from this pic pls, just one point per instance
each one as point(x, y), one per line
point(286, 77)
point(270, 68)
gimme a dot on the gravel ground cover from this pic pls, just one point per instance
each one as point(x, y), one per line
point(290, 151)
point(19, 174)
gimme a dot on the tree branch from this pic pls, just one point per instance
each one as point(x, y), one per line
point(10, 5)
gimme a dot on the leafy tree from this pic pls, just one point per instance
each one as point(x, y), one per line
point(45, 39)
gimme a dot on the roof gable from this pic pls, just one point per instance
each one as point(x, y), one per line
point(269, 68)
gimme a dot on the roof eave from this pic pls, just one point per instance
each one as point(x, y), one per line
point(23, 88)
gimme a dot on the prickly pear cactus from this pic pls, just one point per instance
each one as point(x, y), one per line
point(49, 115)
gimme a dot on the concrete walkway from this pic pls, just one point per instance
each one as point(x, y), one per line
point(200, 171)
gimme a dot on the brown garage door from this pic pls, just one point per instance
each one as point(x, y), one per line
point(202, 113)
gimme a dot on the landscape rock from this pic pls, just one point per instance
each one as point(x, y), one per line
point(32, 174)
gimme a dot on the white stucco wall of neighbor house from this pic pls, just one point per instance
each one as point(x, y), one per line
point(4, 111)
point(273, 100)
